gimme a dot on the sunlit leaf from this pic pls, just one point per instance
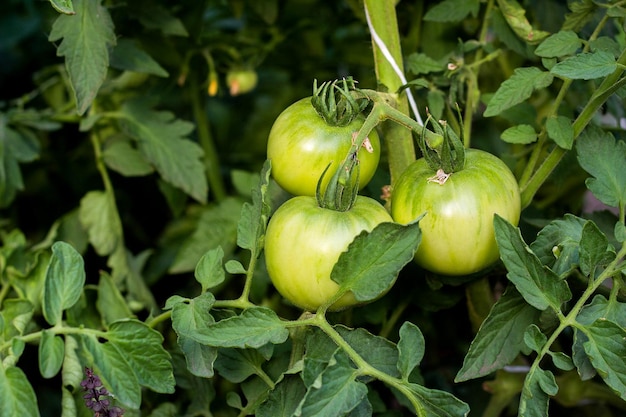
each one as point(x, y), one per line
point(98, 215)
point(515, 16)
point(517, 89)
point(452, 10)
point(521, 134)
point(17, 397)
point(560, 44)
point(51, 352)
point(586, 66)
point(561, 131)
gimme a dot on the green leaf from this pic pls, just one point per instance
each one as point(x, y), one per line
point(98, 215)
point(410, 348)
point(500, 337)
point(539, 285)
point(515, 16)
point(113, 369)
point(253, 328)
point(15, 147)
point(517, 89)
point(283, 400)
point(162, 139)
point(337, 393)
point(534, 338)
point(111, 303)
point(142, 347)
point(156, 16)
point(436, 100)
point(418, 63)
point(586, 66)
point(436, 403)
point(87, 36)
point(209, 270)
point(17, 397)
point(234, 267)
point(452, 10)
point(594, 249)
point(562, 361)
point(538, 386)
point(254, 217)
point(561, 131)
point(187, 317)
point(51, 353)
point(606, 349)
point(63, 6)
point(127, 55)
point(237, 365)
point(217, 226)
point(376, 350)
point(604, 159)
point(373, 260)
point(564, 235)
point(520, 134)
point(562, 43)
point(125, 159)
point(64, 282)
point(582, 12)
point(16, 315)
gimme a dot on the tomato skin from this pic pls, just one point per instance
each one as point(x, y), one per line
point(301, 144)
point(303, 242)
point(457, 231)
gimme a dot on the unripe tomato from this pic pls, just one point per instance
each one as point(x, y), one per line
point(241, 81)
point(457, 231)
point(301, 145)
point(303, 242)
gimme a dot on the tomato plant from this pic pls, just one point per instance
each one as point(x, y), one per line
point(301, 145)
point(304, 241)
point(457, 229)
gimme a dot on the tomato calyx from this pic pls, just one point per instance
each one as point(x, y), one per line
point(343, 188)
point(444, 152)
point(336, 103)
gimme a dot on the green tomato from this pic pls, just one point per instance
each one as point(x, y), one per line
point(301, 145)
point(457, 231)
point(303, 242)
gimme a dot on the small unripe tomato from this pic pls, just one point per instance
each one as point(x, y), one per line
point(241, 81)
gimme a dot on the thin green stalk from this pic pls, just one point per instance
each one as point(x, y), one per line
point(382, 16)
point(211, 159)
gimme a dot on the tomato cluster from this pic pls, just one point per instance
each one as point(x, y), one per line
point(304, 239)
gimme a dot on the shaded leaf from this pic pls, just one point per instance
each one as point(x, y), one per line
point(217, 226)
point(127, 55)
point(15, 147)
point(86, 35)
point(534, 338)
point(582, 12)
point(539, 285)
point(594, 249)
point(564, 235)
point(452, 10)
point(63, 6)
point(515, 16)
point(162, 139)
point(337, 393)
point(521, 134)
point(253, 328)
point(517, 89)
point(209, 270)
point(236, 365)
point(586, 66)
point(64, 282)
point(500, 337)
point(373, 260)
point(51, 353)
point(284, 399)
point(419, 63)
point(111, 303)
point(120, 156)
point(562, 43)
point(98, 215)
point(436, 403)
point(410, 348)
point(606, 350)
point(254, 217)
point(604, 159)
point(538, 386)
point(156, 16)
point(561, 131)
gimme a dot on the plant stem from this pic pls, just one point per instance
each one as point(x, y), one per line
point(400, 147)
point(211, 159)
